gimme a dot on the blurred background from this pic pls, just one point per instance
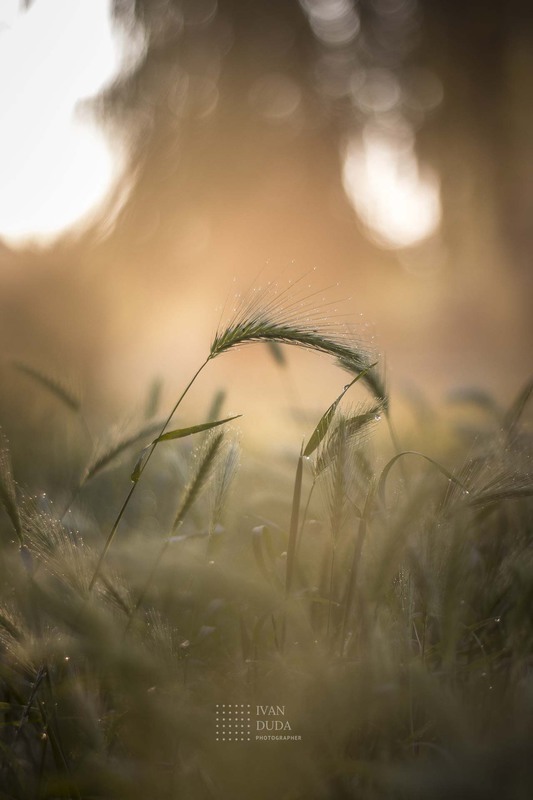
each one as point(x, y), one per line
point(158, 156)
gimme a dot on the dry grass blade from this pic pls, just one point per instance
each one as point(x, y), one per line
point(8, 491)
point(63, 393)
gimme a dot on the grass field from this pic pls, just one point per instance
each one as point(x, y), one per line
point(376, 597)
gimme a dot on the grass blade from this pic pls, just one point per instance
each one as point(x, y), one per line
point(180, 433)
point(56, 387)
point(325, 421)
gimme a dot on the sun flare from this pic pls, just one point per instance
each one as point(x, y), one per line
point(56, 166)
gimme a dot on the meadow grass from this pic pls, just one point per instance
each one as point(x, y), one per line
point(381, 596)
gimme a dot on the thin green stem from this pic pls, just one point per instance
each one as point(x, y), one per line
point(126, 502)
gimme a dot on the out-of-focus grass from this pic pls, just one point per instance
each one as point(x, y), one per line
point(384, 598)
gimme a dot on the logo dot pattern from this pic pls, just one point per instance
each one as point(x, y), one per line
point(233, 722)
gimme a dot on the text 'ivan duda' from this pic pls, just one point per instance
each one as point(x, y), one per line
point(272, 718)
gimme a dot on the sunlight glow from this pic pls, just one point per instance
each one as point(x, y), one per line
point(56, 166)
point(397, 200)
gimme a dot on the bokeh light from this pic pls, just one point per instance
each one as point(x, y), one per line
point(397, 200)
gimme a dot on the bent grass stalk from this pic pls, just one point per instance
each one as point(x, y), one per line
point(274, 320)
